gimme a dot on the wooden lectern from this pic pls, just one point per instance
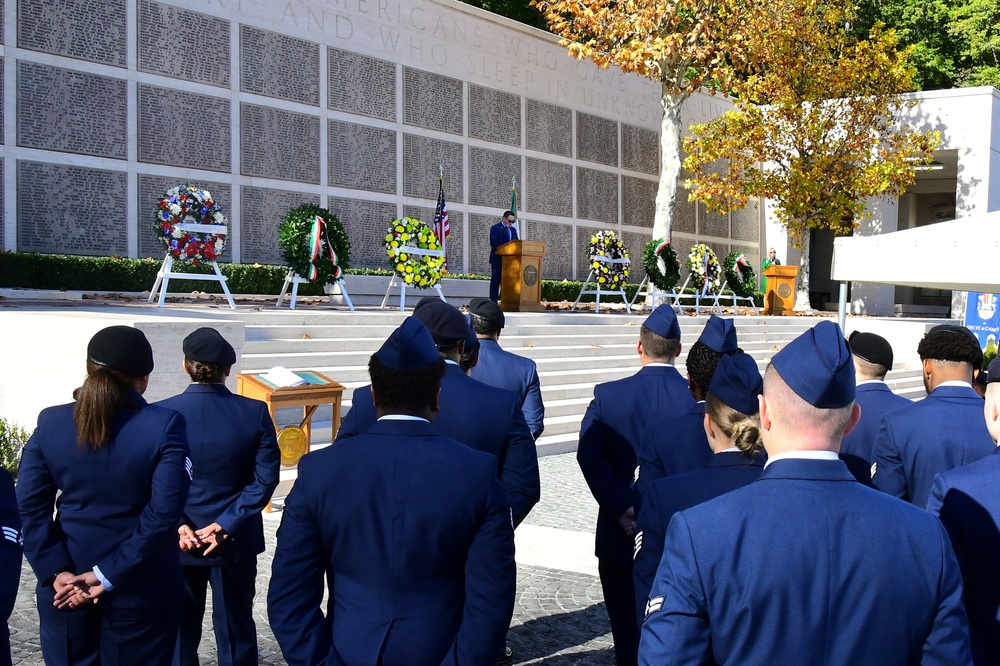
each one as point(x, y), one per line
point(780, 296)
point(521, 279)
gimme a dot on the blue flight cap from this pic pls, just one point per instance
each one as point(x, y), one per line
point(994, 376)
point(408, 347)
point(447, 325)
point(818, 367)
point(737, 382)
point(719, 335)
point(663, 322)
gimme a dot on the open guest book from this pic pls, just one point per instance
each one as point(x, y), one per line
point(281, 377)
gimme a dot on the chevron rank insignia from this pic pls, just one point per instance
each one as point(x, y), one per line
point(874, 467)
point(653, 605)
point(188, 467)
point(635, 476)
point(638, 545)
point(12, 535)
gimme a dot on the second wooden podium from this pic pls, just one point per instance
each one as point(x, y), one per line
point(521, 279)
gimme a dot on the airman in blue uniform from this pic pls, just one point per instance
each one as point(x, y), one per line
point(235, 457)
point(944, 430)
point(109, 576)
point(967, 500)
point(831, 572)
point(732, 428)
point(872, 361)
point(503, 369)
point(483, 417)
point(411, 532)
point(10, 559)
point(677, 444)
point(616, 418)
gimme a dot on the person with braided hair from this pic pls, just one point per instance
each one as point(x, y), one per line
point(732, 429)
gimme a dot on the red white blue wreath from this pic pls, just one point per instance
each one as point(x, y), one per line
point(190, 224)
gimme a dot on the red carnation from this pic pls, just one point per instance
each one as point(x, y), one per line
point(192, 249)
point(210, 252)
point(177, 252)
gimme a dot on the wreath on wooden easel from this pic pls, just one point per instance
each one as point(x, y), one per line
point(314, 244)
point(704, 268)
point(186, 223)
point(661, 264)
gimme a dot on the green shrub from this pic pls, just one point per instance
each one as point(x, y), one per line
point(12, 440)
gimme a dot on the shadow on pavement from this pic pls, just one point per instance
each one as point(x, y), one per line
point(549, 634)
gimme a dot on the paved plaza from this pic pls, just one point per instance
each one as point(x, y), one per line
point(559, 616)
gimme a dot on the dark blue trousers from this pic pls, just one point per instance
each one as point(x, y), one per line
point(619, 600)
point(103, 634)
point(233, 587)
point(496, 269)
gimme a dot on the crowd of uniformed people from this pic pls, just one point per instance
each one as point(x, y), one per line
point(804, 516)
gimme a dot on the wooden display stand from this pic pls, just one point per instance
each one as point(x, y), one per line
point(521, 277)
point(780, 296)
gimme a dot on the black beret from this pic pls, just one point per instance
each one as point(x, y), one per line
point(122, 348)
point(447, 325)
point(993, 376)
point(488, 310)
point(208, 346)
point(872, 348)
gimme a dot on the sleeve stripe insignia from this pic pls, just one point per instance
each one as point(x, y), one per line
point(638, 545)
point(635, 476)
point(874, 467)
point(653, 606)
point(12, 535)
point(189, 467)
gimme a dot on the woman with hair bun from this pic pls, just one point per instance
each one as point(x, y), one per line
point(732, 424)
point(236, 461)
point(105, 554)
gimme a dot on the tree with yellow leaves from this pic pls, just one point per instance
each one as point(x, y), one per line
point(685, 45)
point(817, 126)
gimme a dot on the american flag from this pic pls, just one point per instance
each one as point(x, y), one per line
point(442, 228)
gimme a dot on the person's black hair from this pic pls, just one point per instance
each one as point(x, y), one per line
point(950, 346)
point(205, 373)
point(508, 212)
point(657, 347)
point(484, 327)
point(405, 391)
point(469, 360)
point(701, 362)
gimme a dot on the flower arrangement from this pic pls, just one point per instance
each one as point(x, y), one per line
point(661, 264)
point(605, 243)
point(314, 244)
point(739, 274)
point(179, 213)
point(419, 269)
point(704, 268)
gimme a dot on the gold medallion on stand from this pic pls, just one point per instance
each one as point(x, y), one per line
point(293, 444)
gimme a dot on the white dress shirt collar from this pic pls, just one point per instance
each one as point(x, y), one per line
point(802, 455)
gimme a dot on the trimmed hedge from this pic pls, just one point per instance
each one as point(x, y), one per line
point(22, 270)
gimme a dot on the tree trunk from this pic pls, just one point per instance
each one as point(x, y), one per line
point(802, 302)
point(670, 165)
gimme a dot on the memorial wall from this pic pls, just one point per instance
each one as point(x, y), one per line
point(351, 104)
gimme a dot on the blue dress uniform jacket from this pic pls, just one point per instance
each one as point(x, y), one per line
point(483, 417)
point(236, 463)
point(806, 566)
point(517, 374)
point(119, 510)
point(672, 446)
point(916, 442)
point(875, 400)
point(725, 472)
point(967, 499)
point(412, 533)
point(10, 559)
point(499, 235)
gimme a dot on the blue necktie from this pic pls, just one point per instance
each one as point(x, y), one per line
point(509, 237)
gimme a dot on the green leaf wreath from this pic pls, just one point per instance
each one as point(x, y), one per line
point(739, 274)
point(658, 251)
point(293, 238)
point(605, 243)
point(704, 268)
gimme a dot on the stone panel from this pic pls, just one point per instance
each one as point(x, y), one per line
point(361, 84)
point(266, 58)
point(362, 157)
point(172, 42)
point(557, 263)
point(422, 157)
point(2, 234)
point(712, 224)
point(364, 220)
point(152, 189)
point(1, 37)
point(684, 213)
point(51, 117)
point(746, 222)
point(549, 187)
point(432, 101)
point(635, 242)
point(275, 143)
point(583, 236)
point(453, 245)
point(596, 195)
point(86, 29)
point(494, 115)
point(261, 211)
point(45, 223)
point(596, 139)
point(479, 241)
point(640, 149)
point(549, 128)
point(490, 173)
point(1, 83)
point(721, 250)
point(638, 201)
point(184, 129)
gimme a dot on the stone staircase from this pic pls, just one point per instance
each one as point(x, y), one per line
point(573, 351)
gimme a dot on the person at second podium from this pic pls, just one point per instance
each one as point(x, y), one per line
point(501, 233)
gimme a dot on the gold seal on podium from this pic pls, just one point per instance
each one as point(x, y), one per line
point(293, 444)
